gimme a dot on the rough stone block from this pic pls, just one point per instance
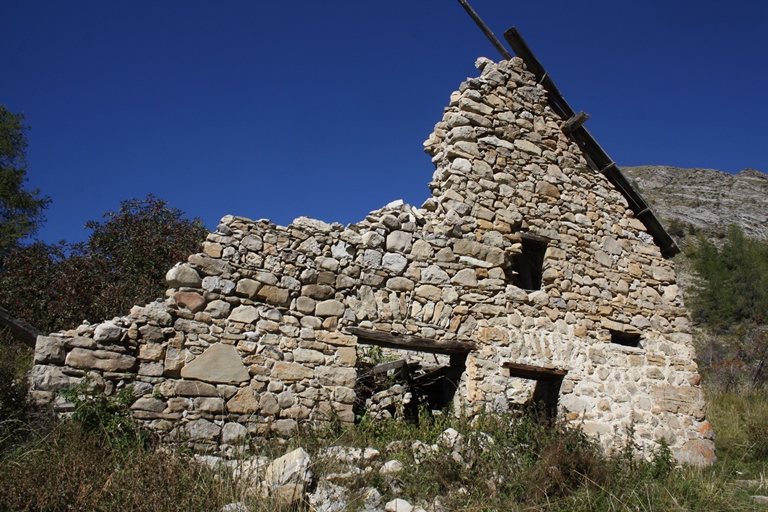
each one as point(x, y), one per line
point(290, 371)
point(103, 360)
point(220, 364)
point(49, 350)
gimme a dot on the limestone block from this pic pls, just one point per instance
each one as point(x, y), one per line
point(335, 376)
point(527, 146)
point(336, 338)
point(49, 350)
point(192, 388)
point(151, 334)
point(244, 402)
point(400, 284)
point(217, 284)
point(148, 404)
point(213, 405)
point(174, 361)
point(329, 308)
point(202, 430)
point(244, 314)
point(544, 188)
point(183, 275)
point(289, 371)
point(301, 355)
point(103, 360)
point(218, 309)
point(344, 395)
point(151, 369)
point(428, 292)
point(220, 363)
point(399, 241)
point(268, 404)
point(252, 243)
point(107, 332)
point(247, 288)
point(274, 295)
point(394, 262)
point(234, 433)
point(317, 291)
point(193, 301)
point(492, 255)
point(50, 378)
point(190, 326)
point(285, 399)
point(433, 274)
point(664, 274)
point(209, 266)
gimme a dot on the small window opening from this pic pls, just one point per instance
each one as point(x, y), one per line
point(526, 268)
point(547, 388)
point(628, 339)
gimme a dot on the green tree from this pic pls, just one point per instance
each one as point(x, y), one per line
point(122, 263)
point(21, 210)
point(733, 281)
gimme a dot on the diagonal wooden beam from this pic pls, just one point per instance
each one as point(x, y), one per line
point(20, 329)
point(601, 162)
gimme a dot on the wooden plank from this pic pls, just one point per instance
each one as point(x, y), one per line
point(528, 371)
point(385, 367)
point(487, 31)
point(574, 122)
point(408, 342)
point(20, 329)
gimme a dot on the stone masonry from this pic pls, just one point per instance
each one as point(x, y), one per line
point(250, 338)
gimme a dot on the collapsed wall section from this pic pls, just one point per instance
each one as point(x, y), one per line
point(522, 250)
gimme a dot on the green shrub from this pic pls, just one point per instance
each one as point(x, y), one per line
point(107, 415)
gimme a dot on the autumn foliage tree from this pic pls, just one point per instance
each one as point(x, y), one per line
point(122, 263)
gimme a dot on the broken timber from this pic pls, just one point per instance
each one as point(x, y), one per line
point(20, 329)
point(408, 342)
point(596, 155)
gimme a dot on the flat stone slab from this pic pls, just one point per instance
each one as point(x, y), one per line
point(220, 364)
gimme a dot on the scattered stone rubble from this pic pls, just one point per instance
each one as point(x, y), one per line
point(250, 339)
point(290, 481)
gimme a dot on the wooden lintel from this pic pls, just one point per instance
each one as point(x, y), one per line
point(535, 238)
point(574, 122)
point(408, 342)
point(528, 371)
point(20, 329)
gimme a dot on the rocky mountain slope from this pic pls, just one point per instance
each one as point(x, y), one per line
point(708, 199)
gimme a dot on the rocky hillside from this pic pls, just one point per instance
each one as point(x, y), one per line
point(708, 199)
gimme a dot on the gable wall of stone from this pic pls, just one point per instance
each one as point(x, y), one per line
point(251, 334)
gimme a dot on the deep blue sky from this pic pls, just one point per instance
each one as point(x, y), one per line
point(287, 108)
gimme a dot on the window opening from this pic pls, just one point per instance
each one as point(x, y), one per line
point(627, 339)
point(526, 268)
point(547, 390)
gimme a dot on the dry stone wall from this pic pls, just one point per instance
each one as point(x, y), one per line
point(250, 337)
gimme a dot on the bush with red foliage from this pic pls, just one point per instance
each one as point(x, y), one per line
point(123, 262)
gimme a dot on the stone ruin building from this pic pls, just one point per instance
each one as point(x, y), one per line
point(528, 275)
